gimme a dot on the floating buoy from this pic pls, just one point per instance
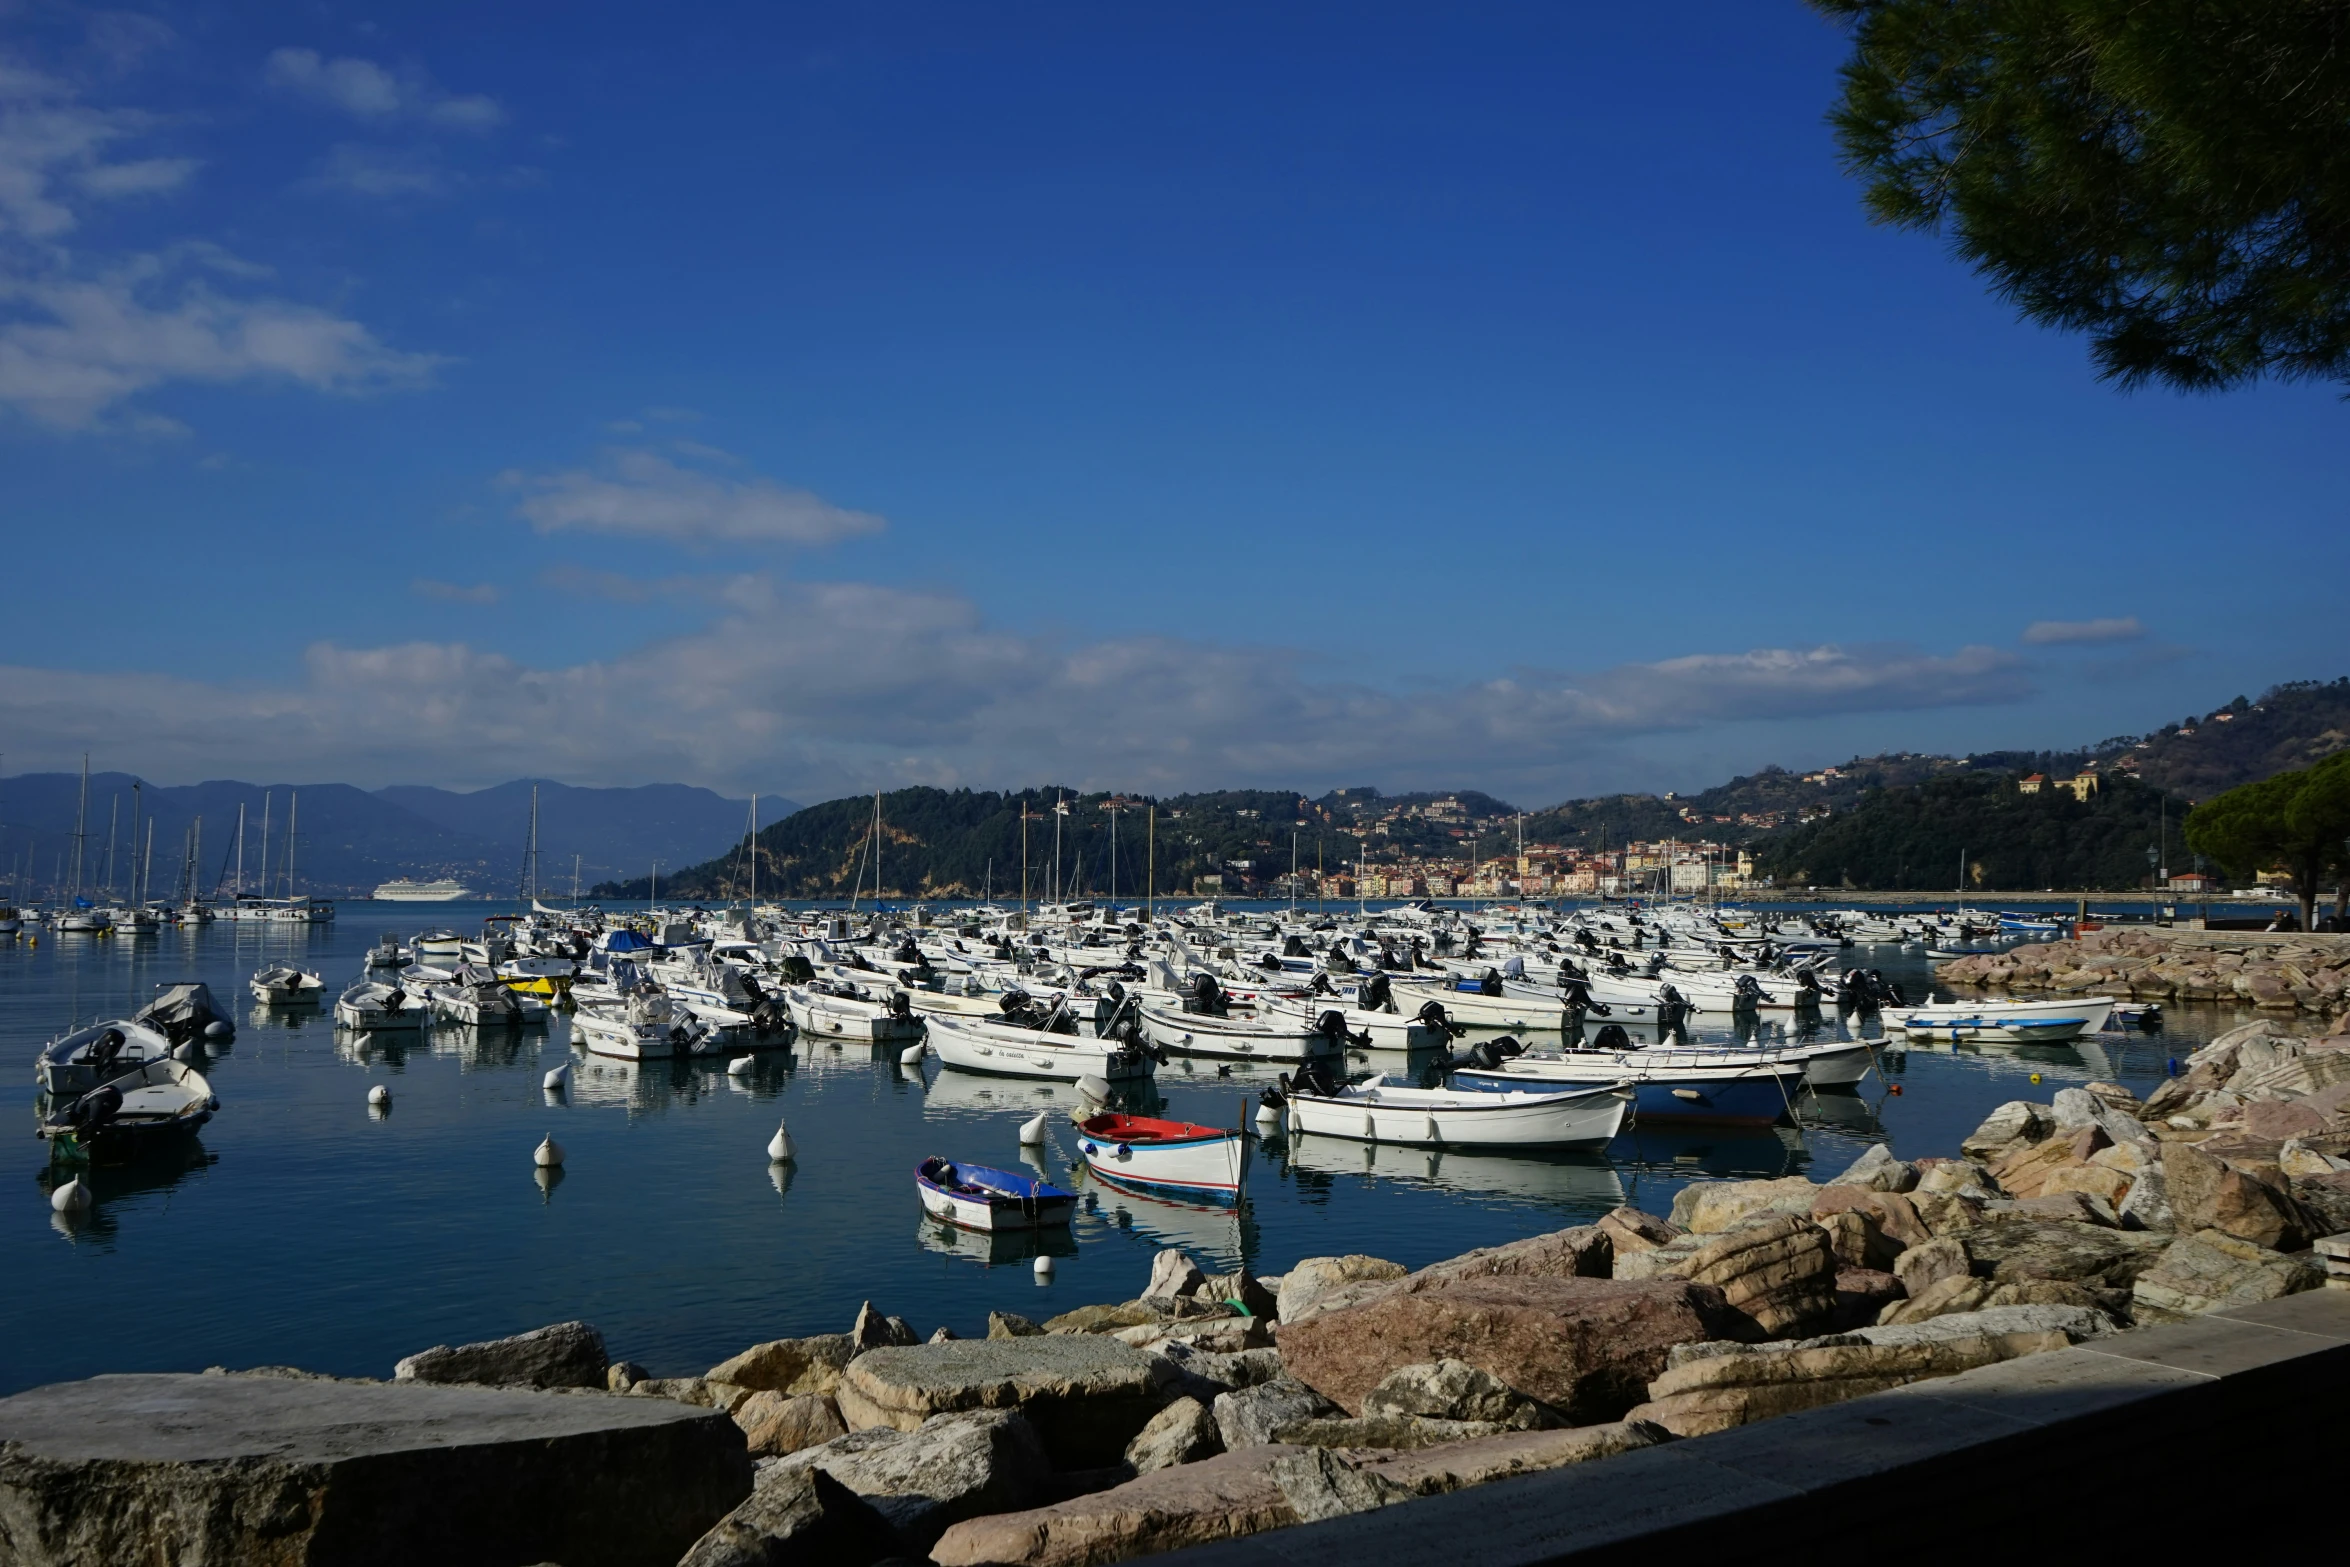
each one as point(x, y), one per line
point(740, 1066)
point(1044, 1269)
point(2173, 1066)
point(780, 1148)
point(72, 1197)
point(2035, 1077)
point(1032, 1131)
point(1894, 1090)
point(557, 1080)
point(1268, 1120)
point(912, 1055)
point(548, 1155)
point(380, 1097)
point(221, 1029)
point(1094, 1087)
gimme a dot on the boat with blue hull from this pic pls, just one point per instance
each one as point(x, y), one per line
point(977, 1197)
point(1750, 1096)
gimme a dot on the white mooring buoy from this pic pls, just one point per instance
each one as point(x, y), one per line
point(1268, 1120)
point(1094, 1088)
point(558, 1079)
point(380, 1097)
point(740, 1066)
point(72, 1197)
point(548, 1155)
point(1032, 1131)
point(780, 1148)
point(912, 1055)
point(1044, 1270)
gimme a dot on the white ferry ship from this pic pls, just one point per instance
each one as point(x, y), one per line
point(405, 891)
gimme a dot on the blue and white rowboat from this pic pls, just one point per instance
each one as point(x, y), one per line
point(979, 1198)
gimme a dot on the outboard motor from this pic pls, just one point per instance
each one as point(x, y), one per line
point(1746, 995)
point(901, 1006)
point(1672, 1007)
point(1331, 1025)
point(1313, 1077)
point(1340, 960)
point(95, 1108)
point(1435, 1017)
point(1207, 998)
point(1807, 990)
point(1489, 983)
point(1612, 1037)
point(1377, 995)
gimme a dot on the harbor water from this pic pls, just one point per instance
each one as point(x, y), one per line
point(305, 1229)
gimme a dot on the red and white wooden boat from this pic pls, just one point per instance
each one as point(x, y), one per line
point(1174, 1156)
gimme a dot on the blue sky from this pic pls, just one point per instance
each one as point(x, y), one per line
point(808, 398)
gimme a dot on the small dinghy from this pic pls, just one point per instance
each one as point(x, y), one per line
point(87, 1057)
point(162, 1100)
point(1166, 1155)
point(388, 953)
point(380, 1006)
point(979, 1198)
point(2005, 1022)
point(287, 986)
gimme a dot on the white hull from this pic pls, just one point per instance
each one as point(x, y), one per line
point(1520, 1012)
point(1232, 1038)
point(1213, 1168)
point(1021, 1052)
point(1375, 1112)
point(2005, 1022)
point(842, 1017)
point(1388, 1030)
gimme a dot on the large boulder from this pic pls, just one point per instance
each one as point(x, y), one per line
point(1223, 1498)
point(2024, 1248)
point(1586, 1347)
point(1303, 1286)
point(1629, 1230)
point(2017, 1122)
point(149, 1468)
point(1777, 1271)
point(1921, 1267)
point(1249, 1416)
point(951, 1468)
point(775, 1424)
point(2208, 1193)
point(803, 1518)
point(2074, 1322)
point(1945, 1296)
point(2210, 1269)
point(1172, 1275)
point(1722, 1391)
point(1319, 1484)
point(1387, 1431)
point(566, 1354)
point(1243, 1290)
point(875, 1331)
point(1453, 1390)
point(1710, 1207)
point(1088, 1396)
point(1182, 1433)
point(789, 1365)
point(1878, 1171)
point(1584, 1252)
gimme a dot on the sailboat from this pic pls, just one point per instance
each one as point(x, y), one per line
point(78, 917)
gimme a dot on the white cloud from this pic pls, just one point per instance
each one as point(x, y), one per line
point(643, 494)
point(454, 593)
point(360, 170)
point(847, 685)
point(80, 336)
point(72, 347)
point(2053, 633)
point(372, 94)
point(49, 138)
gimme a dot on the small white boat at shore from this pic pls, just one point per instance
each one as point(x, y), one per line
point(1380, 1111)
point(976, 1197)
point(2004, 1022)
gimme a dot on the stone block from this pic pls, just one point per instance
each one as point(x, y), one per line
point(1304, 1285)
point(775, 1424)
point(1087, 1395)
point(804, 1518)
point(2211, 1269)
point(1724, 1391)
point(238, 1469)
point(789, 1365)
point(950, 1468)
point(566, 1354)
point(1222, 1498)
point(1248, 1417)
point(1710, 1207)
point(1182, 1433)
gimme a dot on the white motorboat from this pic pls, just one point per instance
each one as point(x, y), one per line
point(1379, 1111)
point(381, 1007)
point(1365, 1030)
point(1003, 1050)
point(283, 985)
point(642, 1028)
point(81, 1060)
point(159, 1100)
point(476, 1000)
point(1286, 1039)
point(2004, 1022)
point(832, 1009)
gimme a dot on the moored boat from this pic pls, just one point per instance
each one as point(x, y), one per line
point(1378, 1110)
point(158, 1101)
point(283, 985)
point(2005, 1022)
point(977, 1197)
point(81, 1060)
point(381, 1006)
point(1166, 1155)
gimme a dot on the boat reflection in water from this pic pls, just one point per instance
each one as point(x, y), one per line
point(995, 1248)
point(1764, 1153)
point(1221, 1233)
point(968, 1095)
point(1581, 1181)
point(650, 1087)
point(114, 1183)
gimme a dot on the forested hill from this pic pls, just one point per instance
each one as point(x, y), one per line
point(2290, 726)
point(1915, 838)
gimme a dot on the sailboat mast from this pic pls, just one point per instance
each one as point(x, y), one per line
point(240, 887)
point(147, 866)
point(265, 798)
point(1151, 884)
point(81, 818)
point(293, 813)
point(754, 848)
point(113, 825)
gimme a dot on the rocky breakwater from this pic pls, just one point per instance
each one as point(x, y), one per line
point(2275, 973)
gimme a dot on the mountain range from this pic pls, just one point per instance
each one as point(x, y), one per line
point(350, 839)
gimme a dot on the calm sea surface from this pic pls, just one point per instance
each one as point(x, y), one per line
point(302, 1230)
